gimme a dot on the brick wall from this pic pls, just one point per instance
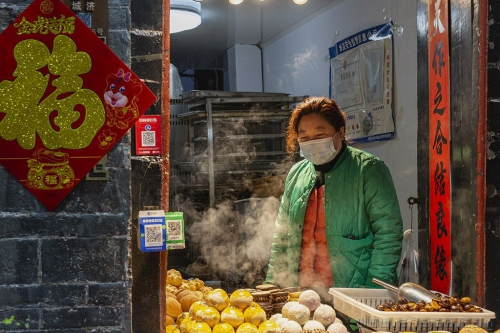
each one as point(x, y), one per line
point(69, 270)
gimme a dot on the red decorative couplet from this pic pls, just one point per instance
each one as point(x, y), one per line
point(439, 147)
point(66, 100)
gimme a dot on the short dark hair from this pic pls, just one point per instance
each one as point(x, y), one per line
point(325, 107)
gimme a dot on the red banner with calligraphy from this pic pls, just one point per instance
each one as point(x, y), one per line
point(439, 147)
point(67, 99)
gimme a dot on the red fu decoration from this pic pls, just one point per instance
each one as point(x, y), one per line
point(66, 100)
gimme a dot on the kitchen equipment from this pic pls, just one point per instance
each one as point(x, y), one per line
point(228, 147)
point(409, 291)
point(233, 137)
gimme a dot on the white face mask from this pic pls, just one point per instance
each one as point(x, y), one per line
point(319, 151)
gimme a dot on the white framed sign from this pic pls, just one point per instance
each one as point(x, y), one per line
point(361, 71)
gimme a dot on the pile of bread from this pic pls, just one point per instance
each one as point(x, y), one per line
point(193, 307)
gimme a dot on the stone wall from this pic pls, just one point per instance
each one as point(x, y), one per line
point(69, 270)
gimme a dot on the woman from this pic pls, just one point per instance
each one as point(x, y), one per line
point(339, 222)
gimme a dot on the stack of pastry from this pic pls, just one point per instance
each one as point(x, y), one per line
point(263, 299)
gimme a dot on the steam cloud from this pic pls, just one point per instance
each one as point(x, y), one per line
point(232, 241)
point(237, 244)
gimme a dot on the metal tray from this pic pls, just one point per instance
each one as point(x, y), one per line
point(252, 115)
point(225, 99)
point(197, 95)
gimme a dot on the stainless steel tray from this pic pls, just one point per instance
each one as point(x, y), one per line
point(197, 98)
point(197, 95)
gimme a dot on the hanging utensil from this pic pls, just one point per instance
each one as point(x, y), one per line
point(407, 269)
point(405, 265)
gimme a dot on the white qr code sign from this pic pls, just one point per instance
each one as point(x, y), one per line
point(152, 231)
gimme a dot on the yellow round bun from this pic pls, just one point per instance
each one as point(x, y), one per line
point(233, 316)
point(210, 315)
point(247, 328)
point(199, 327)
point(254, 314)
point(184, 323)
point(195, 308)
point(268, 326)
point(223, 328)
point(241, 298)
point(172, 329)
point(217, 298)
point(180, 318)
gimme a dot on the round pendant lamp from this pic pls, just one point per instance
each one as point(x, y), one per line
point(184, 15)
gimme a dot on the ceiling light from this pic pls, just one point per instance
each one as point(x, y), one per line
point(184, 15)
point(235, 2)
point(299, 2)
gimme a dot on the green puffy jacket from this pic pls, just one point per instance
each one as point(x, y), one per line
point(363, 222)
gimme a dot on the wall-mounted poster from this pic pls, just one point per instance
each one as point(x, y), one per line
point(361, 68)
point(66, 100)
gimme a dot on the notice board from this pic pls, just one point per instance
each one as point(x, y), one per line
point(361, 79)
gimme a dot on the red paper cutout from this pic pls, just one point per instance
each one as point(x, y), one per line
point(67, 99)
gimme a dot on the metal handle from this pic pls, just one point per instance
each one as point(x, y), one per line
point(385, 285)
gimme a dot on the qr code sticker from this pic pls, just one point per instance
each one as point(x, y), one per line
point(148, 138)
point(174, 229)
point(154, 235)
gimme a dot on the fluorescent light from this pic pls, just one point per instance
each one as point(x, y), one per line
point(299, 2)
point(235, 2)
point(184, 15)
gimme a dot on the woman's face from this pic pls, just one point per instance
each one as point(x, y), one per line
point(314, 127)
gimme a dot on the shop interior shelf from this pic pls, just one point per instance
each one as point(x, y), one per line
point(254, 166)
point(244, 137)
point(243, 114)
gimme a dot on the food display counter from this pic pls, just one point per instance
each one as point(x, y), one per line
point(193, 306)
